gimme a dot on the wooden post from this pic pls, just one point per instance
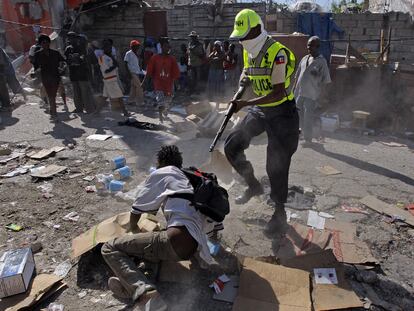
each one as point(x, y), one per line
point(348, 54)
point(388, 50)
point(382, 41)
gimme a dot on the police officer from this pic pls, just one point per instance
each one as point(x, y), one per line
point(269, 66)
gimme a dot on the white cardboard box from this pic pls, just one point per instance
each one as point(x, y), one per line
point(16, 271)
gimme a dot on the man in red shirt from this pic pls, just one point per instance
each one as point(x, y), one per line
point(163, 70)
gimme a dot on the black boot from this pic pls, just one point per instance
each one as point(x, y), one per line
point(253, 190)
point(278, 222)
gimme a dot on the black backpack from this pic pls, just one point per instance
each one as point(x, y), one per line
point(209, 197)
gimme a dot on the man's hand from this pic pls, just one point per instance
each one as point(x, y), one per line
point(239, 104)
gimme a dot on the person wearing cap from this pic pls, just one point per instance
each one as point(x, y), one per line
point(132, 64)
point(215, 80)
point(196, 56)
point(51, 65)
point(79, 74)
point(268, 65)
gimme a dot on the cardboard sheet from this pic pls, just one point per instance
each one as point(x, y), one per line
point(326, 297)
point(387, 209)
point(40, 285)
point(328, 170)
point(345, 244)
point(109, 229)
point(49, 171)
point(45, 153)
point(265, 287)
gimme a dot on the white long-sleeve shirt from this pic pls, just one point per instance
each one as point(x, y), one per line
point(154, 193)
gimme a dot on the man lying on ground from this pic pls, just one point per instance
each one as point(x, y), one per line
point(184, 237)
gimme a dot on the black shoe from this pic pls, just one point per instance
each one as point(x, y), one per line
point(278, 222)
point(248, 194)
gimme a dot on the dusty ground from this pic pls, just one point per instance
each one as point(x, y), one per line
point(367, 167)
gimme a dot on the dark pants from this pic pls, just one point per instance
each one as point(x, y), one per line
point(51, 88)
point(281, 124)
point(195, 77)
point(83, 97)
point(4, 92)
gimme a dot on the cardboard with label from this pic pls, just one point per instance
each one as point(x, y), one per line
point(266, 287)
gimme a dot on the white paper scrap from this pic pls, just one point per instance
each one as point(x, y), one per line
point(316, 221)
point(98, 137)
point(325, 276)
point(326, 215)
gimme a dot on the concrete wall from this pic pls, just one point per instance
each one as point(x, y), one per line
point(364, 30)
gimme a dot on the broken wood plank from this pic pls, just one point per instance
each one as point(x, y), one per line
point(387, 209)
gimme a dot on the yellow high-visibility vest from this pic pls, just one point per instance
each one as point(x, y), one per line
point(259, 70)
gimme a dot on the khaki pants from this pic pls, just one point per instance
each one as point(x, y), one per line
point(135, 95)
point(149, 246)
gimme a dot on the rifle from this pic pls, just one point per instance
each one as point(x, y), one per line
point(243, 86)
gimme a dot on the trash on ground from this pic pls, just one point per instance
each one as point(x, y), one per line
point(118, 162)
point(326, 215)
point(5, 151)
point(43, 286)
point(55, 307)
point(88, 178)
point(410, 208)
point(328, 170)
point(315, 221)
point(49, 171)
point(392, 144)
point(16, 271)
point(45, 187)
point(326, 297)
point(291, 215)
point(116, 185)
point(7, 158)
point(122, 173)
point(230, 290)
point(325, 276)
point(90, 189)
point(218, 284)
point(214, 247)
point(45, 153)
point(36, 247)
point(387, 209)
point(103, 181)
point(14, 227)
point(82, 294)
point(63, 269)
point(265, 286)
point(75, 175)
point(18, 171)
point(36, 169)
point(72, 216)
point(100, 137)
point(353, 209)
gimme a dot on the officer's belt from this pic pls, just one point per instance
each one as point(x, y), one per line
point(257, 71)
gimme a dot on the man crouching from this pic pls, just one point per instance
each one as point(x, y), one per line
point(183, 238)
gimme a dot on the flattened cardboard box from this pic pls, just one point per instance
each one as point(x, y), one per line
point(109, 229)
point(265, 287)
point(326, 297)
point(16, 270)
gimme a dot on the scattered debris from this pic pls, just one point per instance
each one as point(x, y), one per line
point(290, 215)
point(5, 151)
point(75, 175)
point(116, 185)
point(18, 171)
point(7, 158)
point(393, 144)
point(118, 162)
point(328, 170)
point(90, 189)
point(122, 173)
point(218, 284)
point(315, 221)
point(36, 247)
point(230, 290)
point(88, 178)
point(384, 208)
point(100, 137)
point(72, 216)
point(63, 269)
point(45, 153)
point(55, 307)
point(353, 209)
point(16, 270)
point(82, 294)
point(326, 215)
point(43, 286)
point(14, 227)
point(49, 171)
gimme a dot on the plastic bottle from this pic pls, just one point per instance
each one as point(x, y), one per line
point(118, 162)
point(122, 173)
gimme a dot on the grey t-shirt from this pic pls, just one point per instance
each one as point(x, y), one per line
point(311, 75)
